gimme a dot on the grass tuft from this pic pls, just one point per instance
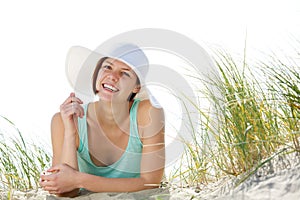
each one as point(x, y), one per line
point(20, 162)
point(253, 119)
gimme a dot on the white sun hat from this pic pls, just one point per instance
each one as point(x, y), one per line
point(81, 63)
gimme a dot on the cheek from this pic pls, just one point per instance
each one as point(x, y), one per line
point(98, 82)
point(130, 83)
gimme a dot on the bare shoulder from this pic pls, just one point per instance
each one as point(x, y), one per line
point(58, 128)
point(150, 118)
point(145, 105)
point(56, 119)
point(57, 123)
point(146, 111)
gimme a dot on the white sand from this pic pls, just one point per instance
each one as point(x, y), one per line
point(278, 179)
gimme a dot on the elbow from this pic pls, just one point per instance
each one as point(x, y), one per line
point(153, 181)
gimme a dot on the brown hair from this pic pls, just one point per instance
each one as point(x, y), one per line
point(95, 75)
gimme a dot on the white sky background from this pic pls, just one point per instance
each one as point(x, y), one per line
point(36, 35)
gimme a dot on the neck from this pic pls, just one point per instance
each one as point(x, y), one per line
point(112, 115)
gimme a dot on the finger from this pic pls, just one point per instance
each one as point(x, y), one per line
point(74, 109)
point(42, 179)
point(46, 181)
point(51, 190)
point(69, 99)
point(76, 99)
point(42, 182)
point(67, 111)
point(43, 176)
point(72, 94)
point(53, 169)
point(72, 98)
point(78, 109)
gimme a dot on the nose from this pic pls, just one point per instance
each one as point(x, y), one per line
point(114, 76)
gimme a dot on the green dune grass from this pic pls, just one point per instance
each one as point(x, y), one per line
point(20, 162)
point(256, 117)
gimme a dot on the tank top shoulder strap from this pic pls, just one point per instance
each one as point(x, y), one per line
point(82, 129)
point(133, 120)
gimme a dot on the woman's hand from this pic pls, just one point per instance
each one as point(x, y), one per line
point(70, 110)
point(59, 179)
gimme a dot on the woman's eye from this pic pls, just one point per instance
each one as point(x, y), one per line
point(106, 67)
point(125, 73)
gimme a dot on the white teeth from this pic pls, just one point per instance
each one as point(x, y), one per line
point(110, 87)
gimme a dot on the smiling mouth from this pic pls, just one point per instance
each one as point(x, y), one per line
point(110, 88)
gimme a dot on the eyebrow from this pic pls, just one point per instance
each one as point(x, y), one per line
point(128, 69)
point(108, 62)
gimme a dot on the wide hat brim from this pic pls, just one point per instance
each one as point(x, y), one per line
point(80, 65)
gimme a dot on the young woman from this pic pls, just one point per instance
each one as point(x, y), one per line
point(115, 144)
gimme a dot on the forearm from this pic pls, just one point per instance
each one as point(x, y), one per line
point(102, 184)
point(69, 151)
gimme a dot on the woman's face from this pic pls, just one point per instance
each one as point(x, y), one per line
point(116, 81)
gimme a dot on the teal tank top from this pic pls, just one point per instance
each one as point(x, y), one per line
point(128, 166)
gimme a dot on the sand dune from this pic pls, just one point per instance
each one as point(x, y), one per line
point(277, 179)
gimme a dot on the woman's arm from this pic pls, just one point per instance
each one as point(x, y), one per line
point(64, 136)
point(151, 123)
point(64, 144)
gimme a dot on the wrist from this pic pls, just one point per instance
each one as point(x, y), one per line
point(70, 133)
point(79, 180)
